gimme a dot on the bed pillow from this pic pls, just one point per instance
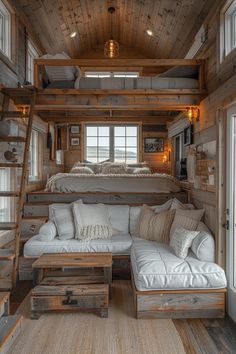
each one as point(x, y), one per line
point(176, 204)
point(182, 240)
point(85, 170)
point(142, 171)
point(113, 168)
point(92, 221)
point(47, 231)
point(154, 226)
point(203, 245)
point(187, 219)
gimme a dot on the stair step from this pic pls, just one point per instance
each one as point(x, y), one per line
point(8, 225)
point(11, 164)
point(6, 254)
point(17, 139)
point(9, 194)
point(10, 327)
point(36, 209)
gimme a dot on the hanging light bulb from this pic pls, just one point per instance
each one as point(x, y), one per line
point(111, 48)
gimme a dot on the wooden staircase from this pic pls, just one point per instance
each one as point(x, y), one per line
point(10, 326)
point(13, 253)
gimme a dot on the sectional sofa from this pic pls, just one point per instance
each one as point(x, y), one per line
point(164, 285)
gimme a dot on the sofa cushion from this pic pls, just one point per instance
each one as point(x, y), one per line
point(48, 231)
point(203, 245)
point(181, 241)
point(64, 221)
point(176, 204)
point(188, 219)
point(156, 267)
point(135, 212)
point(118, 245)
point(119, 218)
point(154, 226)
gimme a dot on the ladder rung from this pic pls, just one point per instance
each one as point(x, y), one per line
point(11, 164)
point(9, 194)
point(7, 254)
point(8, 225)
point(19, 139)
point(13, 114)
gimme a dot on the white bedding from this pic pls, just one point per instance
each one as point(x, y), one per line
point(153, 183)
point(155, 267)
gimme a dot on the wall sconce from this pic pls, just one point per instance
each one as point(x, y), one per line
point(165, 158)
point(193, 114)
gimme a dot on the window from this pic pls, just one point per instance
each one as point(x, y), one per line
point(228, 28)
point(102, 74)
point(118, 143)
point(5, 30)
point(31, 55)
point(5, 202)
point(34, 156)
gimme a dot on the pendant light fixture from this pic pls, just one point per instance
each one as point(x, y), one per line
point(111, 48)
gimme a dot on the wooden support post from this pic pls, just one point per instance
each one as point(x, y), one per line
point(108, 279)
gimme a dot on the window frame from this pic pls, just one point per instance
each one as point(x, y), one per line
point(32, 53)
point(227, 29)
point(6, 30)
point(34, 158)
point(112, 126)
point(108, 74)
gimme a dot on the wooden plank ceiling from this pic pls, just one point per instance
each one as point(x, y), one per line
point(173, 22)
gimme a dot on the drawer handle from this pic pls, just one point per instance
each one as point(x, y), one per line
point(69, 301)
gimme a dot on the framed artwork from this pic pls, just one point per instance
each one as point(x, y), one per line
point(188, 135)
point(75, 129)
point(153, 144)
point(74, 142)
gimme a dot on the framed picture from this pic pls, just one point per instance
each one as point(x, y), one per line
point(153, 144)
point(188, 135)
point(74, 142)
point(75, 129)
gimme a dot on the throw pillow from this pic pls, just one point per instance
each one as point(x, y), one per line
point(181, 241)
point(113, 168)
point(154, 226)
point(47, 231)
point(187, 219)
point(91, 221)
point(176, 204)
point(142, 171)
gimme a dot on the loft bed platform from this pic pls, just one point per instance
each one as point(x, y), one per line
point(136, 95)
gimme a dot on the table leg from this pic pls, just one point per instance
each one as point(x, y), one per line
point(108, 279)
point(37, 275)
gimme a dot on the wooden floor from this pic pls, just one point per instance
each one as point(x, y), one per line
point(198, 336)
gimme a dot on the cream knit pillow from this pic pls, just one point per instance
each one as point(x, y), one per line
point(188, 219)
point(154, 226)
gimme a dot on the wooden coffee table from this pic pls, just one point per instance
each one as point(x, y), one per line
point(71, 281)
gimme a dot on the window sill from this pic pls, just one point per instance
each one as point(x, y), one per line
point(8, 62)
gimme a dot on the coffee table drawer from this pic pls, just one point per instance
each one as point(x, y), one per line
point(94, 297)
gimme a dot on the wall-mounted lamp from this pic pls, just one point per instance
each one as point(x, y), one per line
point(193, 114)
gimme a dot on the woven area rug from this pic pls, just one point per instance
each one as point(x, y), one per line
point(86, 333)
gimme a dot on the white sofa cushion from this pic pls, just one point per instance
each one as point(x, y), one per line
point(91, 221)
point(188, 219)
point(118, 245)
point(182, 240)
point(119, 218)
point(48, 231)
point(135, 212)
point(156, 267)
point(203, 245)
point(63, 219)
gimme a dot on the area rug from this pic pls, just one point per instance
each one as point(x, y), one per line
point(86, 333)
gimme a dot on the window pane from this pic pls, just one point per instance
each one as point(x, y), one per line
point(131, 131)
point(119, 153)
point(104, 152)
point(131, 152)
point(119, 131)
point(131, 160)
point(103, 141)
point(131, 142)
point(93, 141)
point(103, 131)
point(91, 131)
point(119, 141)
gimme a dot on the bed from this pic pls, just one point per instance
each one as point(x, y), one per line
point(126, 183)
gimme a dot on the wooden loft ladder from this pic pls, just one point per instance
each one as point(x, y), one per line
point(13, 255)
